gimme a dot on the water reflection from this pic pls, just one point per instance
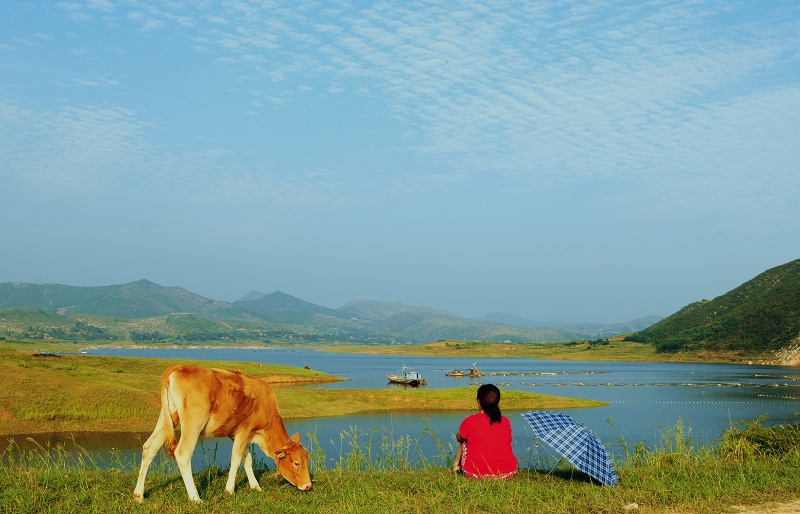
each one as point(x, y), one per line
point(74, 449)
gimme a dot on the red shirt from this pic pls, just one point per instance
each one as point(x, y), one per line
point(488, 446)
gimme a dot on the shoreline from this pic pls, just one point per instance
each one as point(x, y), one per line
point(614, 349)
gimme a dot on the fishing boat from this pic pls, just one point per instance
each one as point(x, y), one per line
point(474, 371)
point(407, 377)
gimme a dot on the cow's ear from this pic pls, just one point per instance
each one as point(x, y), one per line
point(280, 454)
point(296, 437)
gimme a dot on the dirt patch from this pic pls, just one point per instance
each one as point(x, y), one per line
point(769, 508)
point(792, 507)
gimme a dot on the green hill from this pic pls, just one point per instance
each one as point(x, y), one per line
point(376, 311)
point(178, 327)
point(30, 323)
point(762, 314)
point(425, 326)
point(282, 302)
point(140, 299)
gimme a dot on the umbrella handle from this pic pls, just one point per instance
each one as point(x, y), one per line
point(560, 458)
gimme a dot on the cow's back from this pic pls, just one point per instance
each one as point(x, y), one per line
point(243, 403)
point(226, 401)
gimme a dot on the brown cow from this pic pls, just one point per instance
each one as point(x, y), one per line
point(219, 403)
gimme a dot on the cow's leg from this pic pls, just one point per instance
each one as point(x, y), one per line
point(248, 468)
point(183, 457)
point(149, 451)
point(239, 448)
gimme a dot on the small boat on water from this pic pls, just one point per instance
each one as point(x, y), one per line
point(407, 377)
point(474, 371)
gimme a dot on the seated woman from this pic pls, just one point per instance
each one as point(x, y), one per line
point(485, 438)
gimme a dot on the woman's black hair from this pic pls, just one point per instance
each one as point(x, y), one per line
point(489, 398)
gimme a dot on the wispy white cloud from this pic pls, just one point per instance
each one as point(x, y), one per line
point(146, 22)
point(92, 152)
point(534, 92)
point(102, 5)
point(95, 83)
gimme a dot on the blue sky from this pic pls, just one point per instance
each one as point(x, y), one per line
point(558, 160)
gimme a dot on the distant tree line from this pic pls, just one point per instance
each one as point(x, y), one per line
point(84, 331)
point(154, 336)
point(80, 330)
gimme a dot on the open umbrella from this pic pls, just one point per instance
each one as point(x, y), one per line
point(575, 442)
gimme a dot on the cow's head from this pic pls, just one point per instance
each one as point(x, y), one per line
point(292, 462)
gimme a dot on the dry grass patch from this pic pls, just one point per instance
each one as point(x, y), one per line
point(616, 350)
point(89, 393)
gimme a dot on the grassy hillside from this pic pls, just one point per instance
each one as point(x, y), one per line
point(374, 310)
point(140, 299)
point(761, 314)
point(280, 302)
point(27, 323)
point(425, 327)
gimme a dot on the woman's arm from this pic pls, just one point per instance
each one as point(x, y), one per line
point(459, 438)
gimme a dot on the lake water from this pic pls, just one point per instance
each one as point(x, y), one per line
point(645, 398)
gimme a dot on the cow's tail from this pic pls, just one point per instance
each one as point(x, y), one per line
point(166, 414)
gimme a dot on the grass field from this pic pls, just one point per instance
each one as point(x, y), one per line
point(674, 477)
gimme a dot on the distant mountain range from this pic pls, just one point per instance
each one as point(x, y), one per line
point(591, 330)
point(761, 314)
point(173, 312)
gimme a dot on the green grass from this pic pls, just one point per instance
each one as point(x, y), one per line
point(370, 476)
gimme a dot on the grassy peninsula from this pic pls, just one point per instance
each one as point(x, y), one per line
point(48, 392)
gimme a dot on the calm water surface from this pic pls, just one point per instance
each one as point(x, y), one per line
point(645, 398)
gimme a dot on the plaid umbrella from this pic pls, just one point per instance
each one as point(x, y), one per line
point(575, 442)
